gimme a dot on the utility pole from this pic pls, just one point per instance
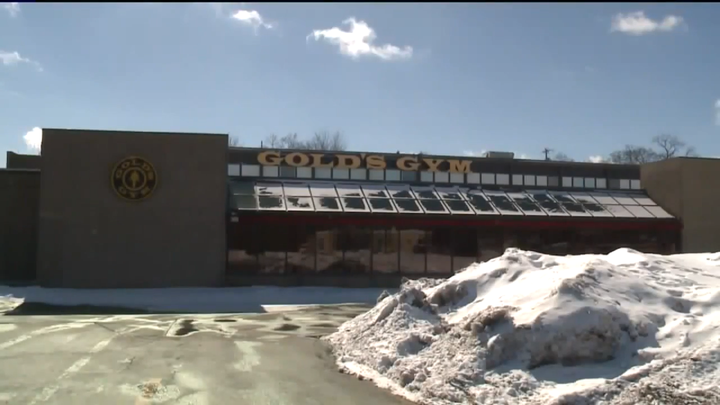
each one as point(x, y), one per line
point(547, 151)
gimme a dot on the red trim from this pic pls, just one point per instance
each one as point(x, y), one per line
point(376, 220)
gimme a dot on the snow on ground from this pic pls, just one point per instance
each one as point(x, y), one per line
point(528, 328)
point(208, 300)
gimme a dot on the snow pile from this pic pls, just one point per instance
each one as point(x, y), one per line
point(527, 328)
point(209, 300)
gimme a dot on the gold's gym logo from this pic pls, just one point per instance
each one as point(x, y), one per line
point(134, 178)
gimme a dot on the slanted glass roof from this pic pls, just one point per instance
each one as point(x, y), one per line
point(327, 197)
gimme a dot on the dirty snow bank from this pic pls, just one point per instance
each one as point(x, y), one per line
point(528, 328)
point(230, 299)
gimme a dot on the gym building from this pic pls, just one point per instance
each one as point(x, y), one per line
point(110, 209)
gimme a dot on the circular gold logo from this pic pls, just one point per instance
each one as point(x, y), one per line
point(134, 178)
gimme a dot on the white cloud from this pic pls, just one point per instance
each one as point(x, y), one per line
point(359, 41)
point(596, 159)
point(253, 19)
point(12, 8)
point(717, 112)
point(14, 58)
point(33, 139)
point(637, 23)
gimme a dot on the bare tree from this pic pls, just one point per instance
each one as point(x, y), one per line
point(671, 146)
point(233, 141)
point(667, 146)
point(322, 140)
point(634, 155)
point(561, 157)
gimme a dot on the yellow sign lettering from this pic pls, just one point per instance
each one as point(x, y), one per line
point(297, 159)
point(348, 161)
point(317, 160)
point(269, 158)
point(433, 164)
point(459, 166)
point(375, 162)
point(408, 163)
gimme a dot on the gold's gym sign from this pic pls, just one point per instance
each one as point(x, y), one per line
point(133, 178)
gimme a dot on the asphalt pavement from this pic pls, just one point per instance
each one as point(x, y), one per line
point(256, 359)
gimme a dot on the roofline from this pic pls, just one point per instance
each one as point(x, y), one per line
point(67, 130)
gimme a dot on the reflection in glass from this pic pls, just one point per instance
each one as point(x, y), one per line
point(381, 205)
point(407, 205)
point(329, 255)
point(300, 249)
point(481, 205)
point(465, 248)
point(385, 250)
point(549, 205)
point(355, 242)
point(503, 203)
point(490, 243)
point(354, 204)
point(412, 251)
point(378, 192)
point(327, 204)
point(244, 202)
point(274, 202)
point(526, 204)
point(242, 248)
point(439, 250)
point(433, 206)
point(271, 255)
point(299, 203)
point(425, 193)
point(457, 206)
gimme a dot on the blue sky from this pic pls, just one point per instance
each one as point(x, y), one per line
point(584, 79)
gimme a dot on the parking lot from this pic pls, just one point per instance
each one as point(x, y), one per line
point(272, 358)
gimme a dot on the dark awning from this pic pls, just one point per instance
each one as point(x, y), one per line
point(405, 199)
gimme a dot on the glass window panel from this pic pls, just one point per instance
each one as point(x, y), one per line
point(242, 187)
point(575, 210)
point(658, 212)
point(465, 248)
point(433, 206)
point(473, 178)
point(625, 184)
point(527, 205)
point(354, 204)
point(603, 198)
point(427, 177)
point(327, 204)
point(427, 193)
point(567, 181)
point(233, 170)
point(323, 173)
point(541, 181)
point(301, 249)
point(329, 254)
point(439, 245)
point(642, 200)
point(601, 183)
point(376, 174)
point(553, 181)
point(272, 255)
point(323, 190)
point(619, 211)
point(457, 178)
point(375, 191)
point(299, 204)
point(244, 202)
point(584, 198)
point(624, 199)
point(296, 189)
point(480, 203)
point(596, 210)
point(458, 207)
point(578, 182)
point(488, 178)
point(385, 251)
point(614, 184)
point(287, 171)
point(442, 177)
point(501, 201)
point(348, 190)
point(412, 251)
point(562, 197)
point(407, 206)
point(397, 191)
point(269, 189)
point(242, 247)
point(271, 202)
point(381, 205)
point(502, 179)
point(392, 175)
point(355, 244)
point(341, 174)
point(304, 172)
point(517, 179)
point(639, 211)
point(529, 180)
point(409, 176)
point(589, 182)
point(635, 184)
point(358, 174)
point(270, 171)
point(549, 204)
point(448, 193)
point(250, 170)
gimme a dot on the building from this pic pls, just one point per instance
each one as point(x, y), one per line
point(132, 209)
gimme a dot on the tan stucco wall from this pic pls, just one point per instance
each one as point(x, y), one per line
point(688, 188)
point(89, 237)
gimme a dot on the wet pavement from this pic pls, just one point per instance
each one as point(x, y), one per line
point(272, 358)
